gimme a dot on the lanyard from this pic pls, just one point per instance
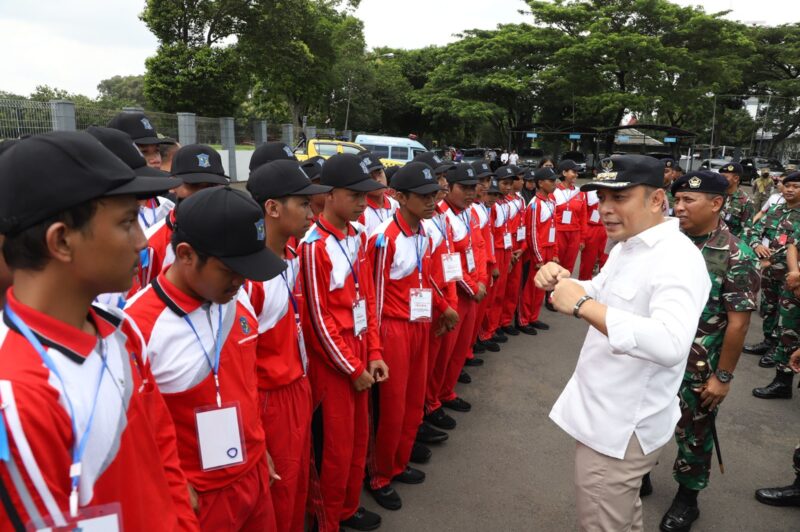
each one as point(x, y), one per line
point(442, 231)
point(217, 348)
point(352, 270)
point(419, 244)
point(79, 447)
point(466, 222)
point(381, 218)
point(296, 309)
point(152, 211)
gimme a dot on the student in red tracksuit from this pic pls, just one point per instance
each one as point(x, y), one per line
point(313, 169)
point(516, 224)
point(400, 253)
point(570, 209)
point(593, 237)
point(341, 332)
point(201, 335)
point(542, 237)
point(471, 291)
point(283, 190)
point(380, 206)
point(503, 251)
point(85, 434)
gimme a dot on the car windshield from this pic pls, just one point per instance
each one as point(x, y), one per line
point(355, 150)
point(326, 149)
point(531, 152)
point(473, 153)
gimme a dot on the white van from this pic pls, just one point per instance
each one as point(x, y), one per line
point(398, 149)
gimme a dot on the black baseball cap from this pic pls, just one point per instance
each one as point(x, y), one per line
point(463, 174)
point(482, 169)
point(199, 163)
point(373, 161)
point(731, 168)
point(700, 181)
point(347, 170)
point(569, 164)
point(625, 171)
point(227, 224)
point(416, 177)
point(313, 167)
point(138, 126)
point(506, 172)
point(528, 175)
point(390, 174)
point(279, 179)
point(434, 161)
point(791, 178)
point(120, 144)
point(544, 173)
point(271, 151)
point(45, 174)
point(494, 188)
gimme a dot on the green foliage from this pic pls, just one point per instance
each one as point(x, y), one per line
point(123, 91)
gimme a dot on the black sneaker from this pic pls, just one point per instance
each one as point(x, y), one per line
point(542, 326)
point(464, 377)
point(387, 497)
point(478, 348)
point(510, 330)
point(457, 404)
point(494, 347)
point(474, 362)
point(499, 338)
point(420, 454)
point(363, 519)
point(428, 434)
point(549, 306)
point(410, 476)
point(439, 419)
point(679, 517)
point(528, 329)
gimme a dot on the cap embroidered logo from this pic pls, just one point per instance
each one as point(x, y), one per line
point(203, 161)
point(427, 173)
point(470, 172)
point(364, 167)
point(730, 168)
point(146, 123)
point(485, 167)
point(695, 182)
point(606, 174)
point(288, 151)
point(321, 162)
point(260, 231)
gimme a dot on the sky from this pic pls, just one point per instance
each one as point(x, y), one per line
point(73, 44)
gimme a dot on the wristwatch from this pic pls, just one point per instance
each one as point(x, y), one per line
point(724, 376)
point(579, 304)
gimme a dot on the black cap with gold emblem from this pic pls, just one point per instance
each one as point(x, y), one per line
point(731, 168)
point(625, 171)
point(700, 181)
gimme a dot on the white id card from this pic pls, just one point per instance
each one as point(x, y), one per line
point(595, 217)
point(566, 217)
point(359, 316)
point(451, 264)
point(551, 236)
point(521, 233)
point(104, 518)
point(506, 240)
point(420, 304)
point(301, 345)
point(470, 260)
point(728, 217)
point(219, 436)
point(765, 242)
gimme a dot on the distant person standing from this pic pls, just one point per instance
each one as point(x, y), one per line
point(459, 156)
point(513, 158)
point(762, 186)
point(504, 157)
point(570, 210)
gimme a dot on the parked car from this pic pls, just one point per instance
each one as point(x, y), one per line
point(471, 155)
point(400, 150)
point(579, 158)
point(530, 157)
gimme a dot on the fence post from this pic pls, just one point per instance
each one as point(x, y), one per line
point(288, 135)
point(259, 132)
point(187, 128)
point(63, 115)
point(348, 134)
point(228, 136)
point(311, 132)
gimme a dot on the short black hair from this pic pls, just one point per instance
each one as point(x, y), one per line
point(176, 239)
point(27, 250)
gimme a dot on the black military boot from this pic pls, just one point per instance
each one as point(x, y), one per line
point(757, 349)
point(682, 513)
point(786, 496)
point(779, 388)
point(767, 360)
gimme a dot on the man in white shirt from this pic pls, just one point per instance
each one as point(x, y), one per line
point(621, 403)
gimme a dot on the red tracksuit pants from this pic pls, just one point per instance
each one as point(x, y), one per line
point(440, 348)
point(495, 307)
point(245, 504)
point(341, 435)
point(286, 416)
point(400, 399)
point(569, 243)
point(461, 347)
point(482, 308)
point(532, 297)
point(511, 297)
point(594, 251)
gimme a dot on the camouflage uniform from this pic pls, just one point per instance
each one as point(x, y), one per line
point(788, 322)
point(773, 230)
point(738, 212)
point(762, 188)
point(733, 269)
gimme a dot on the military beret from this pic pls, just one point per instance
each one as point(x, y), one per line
point(792, 178)
point(731, 168)
point(669, 162)
point(700, 181)
point(544, 173)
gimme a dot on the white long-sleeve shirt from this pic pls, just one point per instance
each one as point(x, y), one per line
point(655, 285)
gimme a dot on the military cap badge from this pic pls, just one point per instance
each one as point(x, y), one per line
point(695, 182)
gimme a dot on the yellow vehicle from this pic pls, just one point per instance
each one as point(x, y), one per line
point(325, 147)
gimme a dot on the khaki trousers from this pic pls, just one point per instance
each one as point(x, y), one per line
point(608, 488)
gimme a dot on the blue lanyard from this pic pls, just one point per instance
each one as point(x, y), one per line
point(217, 349)
point(469, 229)
point(80, 443)
point(442, 231)
point(381, 218)
point(352, 270)
point(296, 309)
point(419, 243)
point(144, 219)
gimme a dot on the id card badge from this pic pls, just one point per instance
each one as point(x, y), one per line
point(566, 217)
point(102, 518)
point(451, 265)
point(551, 236)
point(595, 217)
point(507, 240)
point(783, 239)
point(470, 259)
point(420, 304)
point(301, 345)
point(765, 242)
point(521, 233)
point(359, 316)
point(219, 436)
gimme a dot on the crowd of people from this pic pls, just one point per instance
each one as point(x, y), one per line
point(257, 360)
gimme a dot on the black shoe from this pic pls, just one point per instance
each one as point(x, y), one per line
point(457, 404)
point(647, 486)
point(474, 362)
point(786, 496)
point(679, 517)
point(478, 348)
point(464, 377)
point(439, 419)
point(767, 361)
point(549, 306)
point(779, 388)
point(420, 454)
point(410, 476)
point(428, 434)
point(387, 497)
point(510, 330)
point(499, 338)
point(542, 326)
point(363, 519)
point(490, 345)
point(528, 329)
point(757, 349)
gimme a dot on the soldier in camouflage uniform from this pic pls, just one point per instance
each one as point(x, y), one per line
point(733, 269)
point(738, 210)
point(769, 237)
point(672, 171)
point(762, 188)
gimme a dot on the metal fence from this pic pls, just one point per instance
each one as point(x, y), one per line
point(19, 118)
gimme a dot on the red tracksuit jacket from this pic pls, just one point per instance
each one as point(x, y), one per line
point(569, 200)
point(541, 223)
point(467, 239)
point(591, 215)
point(441, 234)
point(377, 214)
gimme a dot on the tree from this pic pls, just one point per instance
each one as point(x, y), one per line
point(194, 22)
point(124, 91)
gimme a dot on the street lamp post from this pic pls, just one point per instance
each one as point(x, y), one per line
point(713, 124)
